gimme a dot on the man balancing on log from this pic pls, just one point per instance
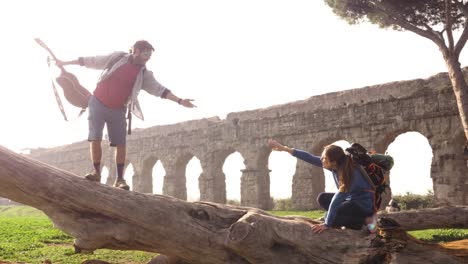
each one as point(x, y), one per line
point(123, 76)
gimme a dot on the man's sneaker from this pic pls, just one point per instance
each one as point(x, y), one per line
point(120, 183)
point(93, 176)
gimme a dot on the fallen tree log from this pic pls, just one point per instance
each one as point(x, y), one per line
point(443, 217)
point(100, 216)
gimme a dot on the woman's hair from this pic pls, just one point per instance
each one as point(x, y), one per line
point(345, 165)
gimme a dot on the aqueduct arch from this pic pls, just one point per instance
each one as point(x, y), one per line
point(373, 116)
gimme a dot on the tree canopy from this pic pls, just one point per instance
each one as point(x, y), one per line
point(436, 20)
point(387, 13)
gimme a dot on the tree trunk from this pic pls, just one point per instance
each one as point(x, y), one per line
point(444, 217)
point(99, 216)
point(460, 89)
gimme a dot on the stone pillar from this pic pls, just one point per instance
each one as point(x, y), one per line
point(255, 188)
point(143, 177)
point(255, 179)
point(174, 182)
point(308, 182)
point(449, 174)
point(212, 189)
point(212, 181)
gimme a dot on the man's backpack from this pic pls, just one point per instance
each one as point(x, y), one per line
point(374, 167)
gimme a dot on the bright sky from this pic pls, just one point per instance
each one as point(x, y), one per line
point(227, 55)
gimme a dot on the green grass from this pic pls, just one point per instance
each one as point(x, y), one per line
point(440, 235)
point(27, 235)
point(311, 214)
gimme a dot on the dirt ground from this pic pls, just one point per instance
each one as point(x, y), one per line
point(457, 248)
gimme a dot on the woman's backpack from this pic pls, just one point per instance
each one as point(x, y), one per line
point(374, 167)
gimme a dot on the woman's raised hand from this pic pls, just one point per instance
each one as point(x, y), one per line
point(275, 145)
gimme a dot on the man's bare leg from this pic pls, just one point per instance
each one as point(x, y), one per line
point(96, 151)
point(120, 157)
point(120, 154)
point(96, 155)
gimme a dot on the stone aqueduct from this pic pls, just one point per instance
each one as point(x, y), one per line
point(373, 116)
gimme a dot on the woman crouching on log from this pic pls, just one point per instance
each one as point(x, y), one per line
point(352, 205)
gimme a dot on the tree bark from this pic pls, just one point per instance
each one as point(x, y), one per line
point(460, 89)
point(99, 216)
point(443, 217)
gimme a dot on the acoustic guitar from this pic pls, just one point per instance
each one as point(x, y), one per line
point(73, 91)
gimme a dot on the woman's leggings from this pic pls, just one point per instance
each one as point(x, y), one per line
point(348, 214)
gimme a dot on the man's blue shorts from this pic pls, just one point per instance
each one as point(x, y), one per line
point(114, 119)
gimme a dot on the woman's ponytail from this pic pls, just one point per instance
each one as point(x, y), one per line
point(345, 165)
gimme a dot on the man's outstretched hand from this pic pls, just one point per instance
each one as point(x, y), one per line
point(187, 103)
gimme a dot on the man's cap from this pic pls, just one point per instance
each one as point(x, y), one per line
point(142, 45)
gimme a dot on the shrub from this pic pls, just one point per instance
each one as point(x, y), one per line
point(415, 201)
point(284, 204)
point(234, 202)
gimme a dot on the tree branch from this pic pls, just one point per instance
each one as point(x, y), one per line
point(448, 24)
point(463, 8)
point(431, 218)
point(394, 16)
